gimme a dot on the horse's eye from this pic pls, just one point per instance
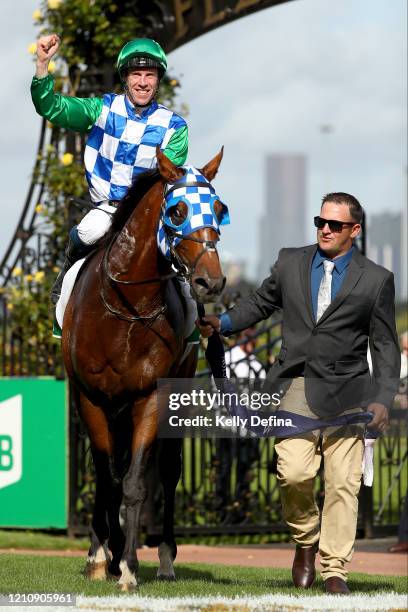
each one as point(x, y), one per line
point(178, 213)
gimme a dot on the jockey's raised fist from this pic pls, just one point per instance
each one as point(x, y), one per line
point(47, 46)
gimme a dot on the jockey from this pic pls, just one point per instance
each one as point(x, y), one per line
point(123, 132)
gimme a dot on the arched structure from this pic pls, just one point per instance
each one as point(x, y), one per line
point(176, 22)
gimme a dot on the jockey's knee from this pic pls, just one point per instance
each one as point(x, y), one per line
point(94, 226)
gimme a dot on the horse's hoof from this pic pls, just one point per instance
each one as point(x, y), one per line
point(96, 571)
point(166, 567)
point(127, 587)
point(164, 578)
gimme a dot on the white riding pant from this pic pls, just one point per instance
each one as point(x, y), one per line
point(96, 223)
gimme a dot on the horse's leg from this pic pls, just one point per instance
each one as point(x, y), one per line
point(170, 470)
point(101, 447)
point(144, 416)
point(98, 554)
point(122, 442)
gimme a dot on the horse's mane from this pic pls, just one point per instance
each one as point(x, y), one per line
point(137, 191)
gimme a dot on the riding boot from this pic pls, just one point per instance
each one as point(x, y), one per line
point(73, 253)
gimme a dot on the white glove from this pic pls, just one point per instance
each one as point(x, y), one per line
point(367, 466)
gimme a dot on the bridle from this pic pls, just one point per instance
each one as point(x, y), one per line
point(185, 270)
point(180, 266)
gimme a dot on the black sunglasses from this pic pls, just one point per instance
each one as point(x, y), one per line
point(334, 226)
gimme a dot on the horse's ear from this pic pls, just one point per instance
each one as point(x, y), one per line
point(167, 169)
point(211, 169)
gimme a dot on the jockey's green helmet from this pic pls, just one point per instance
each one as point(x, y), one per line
point(141, 53)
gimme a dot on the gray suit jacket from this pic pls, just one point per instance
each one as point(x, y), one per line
point(331, 354)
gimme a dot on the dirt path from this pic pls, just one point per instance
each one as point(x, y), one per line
point(274, 556)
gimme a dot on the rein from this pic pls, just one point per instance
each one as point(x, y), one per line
point(152, 316)
point(119, 281)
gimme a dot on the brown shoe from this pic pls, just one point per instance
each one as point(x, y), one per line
point(303, 568)
point(336, 585)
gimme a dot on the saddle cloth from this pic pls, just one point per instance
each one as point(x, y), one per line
point(67, 286)
point(69, 282)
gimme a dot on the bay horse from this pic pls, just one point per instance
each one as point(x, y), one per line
point(123, 330)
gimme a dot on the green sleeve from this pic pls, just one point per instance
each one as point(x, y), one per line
point(177, 147)
point(78, 114)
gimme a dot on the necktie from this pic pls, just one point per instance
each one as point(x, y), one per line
point(324, 295)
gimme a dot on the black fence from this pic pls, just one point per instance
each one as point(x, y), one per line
point(22, 355)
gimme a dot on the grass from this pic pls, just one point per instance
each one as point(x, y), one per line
point(40, 541)
point(29, 574)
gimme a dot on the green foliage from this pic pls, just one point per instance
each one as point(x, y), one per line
point(28, 292)
point(63, 178)
point(30, 321)
point(91, 31)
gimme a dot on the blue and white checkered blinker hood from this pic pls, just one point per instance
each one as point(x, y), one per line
point(198, 195)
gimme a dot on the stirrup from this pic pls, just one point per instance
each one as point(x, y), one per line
point(57, 286)
point(55, 296)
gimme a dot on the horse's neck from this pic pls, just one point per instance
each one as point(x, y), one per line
point(135, 255)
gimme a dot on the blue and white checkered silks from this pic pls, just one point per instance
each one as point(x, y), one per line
point(199, 199)
point(122, 144)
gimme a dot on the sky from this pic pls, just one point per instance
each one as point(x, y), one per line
point(263, 84)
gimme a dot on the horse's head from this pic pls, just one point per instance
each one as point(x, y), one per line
point(189, 225)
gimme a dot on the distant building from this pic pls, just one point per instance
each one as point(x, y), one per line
point(284, 222)
point(386, 235)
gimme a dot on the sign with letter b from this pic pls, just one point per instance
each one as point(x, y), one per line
point(11, 447)
point(33, 453)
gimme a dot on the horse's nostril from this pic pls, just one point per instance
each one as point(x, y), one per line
point(201, 282)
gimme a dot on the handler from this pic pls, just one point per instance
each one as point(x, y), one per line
point(124, 131)
point(334, 301)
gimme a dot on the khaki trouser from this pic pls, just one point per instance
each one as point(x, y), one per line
point(299, 460)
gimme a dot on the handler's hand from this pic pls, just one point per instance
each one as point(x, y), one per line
point(212, 323)
point(381, 419)
point(47, 46)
